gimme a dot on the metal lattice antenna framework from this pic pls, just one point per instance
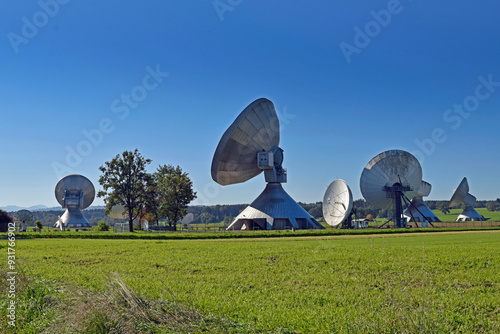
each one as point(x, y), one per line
point(22, 218)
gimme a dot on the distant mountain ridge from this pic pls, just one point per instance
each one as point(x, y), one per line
point(13, 208)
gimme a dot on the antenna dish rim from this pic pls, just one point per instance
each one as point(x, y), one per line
point(242, 172)
point(80, 180)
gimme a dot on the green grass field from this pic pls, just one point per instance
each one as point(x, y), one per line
point(446, 282)
point(453, 214)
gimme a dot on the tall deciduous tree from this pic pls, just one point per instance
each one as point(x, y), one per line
point(175, 190)
point(39, 224)
point(125, 181)
point(316, 211)
point(493, 205)
point(152, 207)
point(5, 219)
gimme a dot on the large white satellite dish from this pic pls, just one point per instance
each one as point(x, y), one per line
point(74, 192)
point(248, 147)
point(337, 203)
point(417, 210)
point(389, 178)
point(462, 196)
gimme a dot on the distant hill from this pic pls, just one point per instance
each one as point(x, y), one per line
point(10, 208)
point(49, 217)
point(14, 208)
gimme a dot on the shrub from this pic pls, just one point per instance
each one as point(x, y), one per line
point(39, 224)
point(102, 226)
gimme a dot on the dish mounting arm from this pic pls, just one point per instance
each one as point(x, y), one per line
point(271, 162)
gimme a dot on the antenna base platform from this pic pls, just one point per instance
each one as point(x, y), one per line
point(274, 209)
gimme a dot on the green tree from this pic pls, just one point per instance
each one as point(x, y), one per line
point(39, 224)
point(102, 226)
point(316, 211)
point(228, 220)
point(125, 181)
point(5, 219)
point(492, 206)
point(152, 203)
point(175, 193)
point(207, 218)
point(444, 208)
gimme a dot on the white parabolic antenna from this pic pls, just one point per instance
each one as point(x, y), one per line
point(248, 147)
point(337, 203)
point(23, 218)
point(75, 193)
point(388, 178)
point(462, 196)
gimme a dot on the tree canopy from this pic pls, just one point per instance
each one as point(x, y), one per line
point(175, 192)
point(125, 181)
point(165, 193)
point(5, 219)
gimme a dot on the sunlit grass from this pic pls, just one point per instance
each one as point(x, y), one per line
point(411, 283)
point(453, 214)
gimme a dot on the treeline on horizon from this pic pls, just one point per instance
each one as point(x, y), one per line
point(225, 213)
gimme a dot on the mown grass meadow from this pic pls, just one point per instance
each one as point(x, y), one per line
point(453, 214)
point(414, 283)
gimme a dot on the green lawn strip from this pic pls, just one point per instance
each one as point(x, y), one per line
point(234, 235)
point(453, 214)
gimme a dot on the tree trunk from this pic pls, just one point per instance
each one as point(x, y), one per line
point(130, 221)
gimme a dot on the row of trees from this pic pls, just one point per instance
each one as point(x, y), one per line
point(164, 194)
point(493, 205)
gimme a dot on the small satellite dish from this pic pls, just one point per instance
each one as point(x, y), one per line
point(247, 148)
point(337, 203)
point(462, 196)
point(75, 193)
point(417, 210)
point(389, 178)
point(117, 212)
point(22, 218)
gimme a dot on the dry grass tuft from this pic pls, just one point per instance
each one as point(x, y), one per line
point(45, 307)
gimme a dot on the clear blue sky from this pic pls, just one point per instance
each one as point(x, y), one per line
point(344, 96)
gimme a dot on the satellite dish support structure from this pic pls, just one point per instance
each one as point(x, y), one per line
point(397, 192)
